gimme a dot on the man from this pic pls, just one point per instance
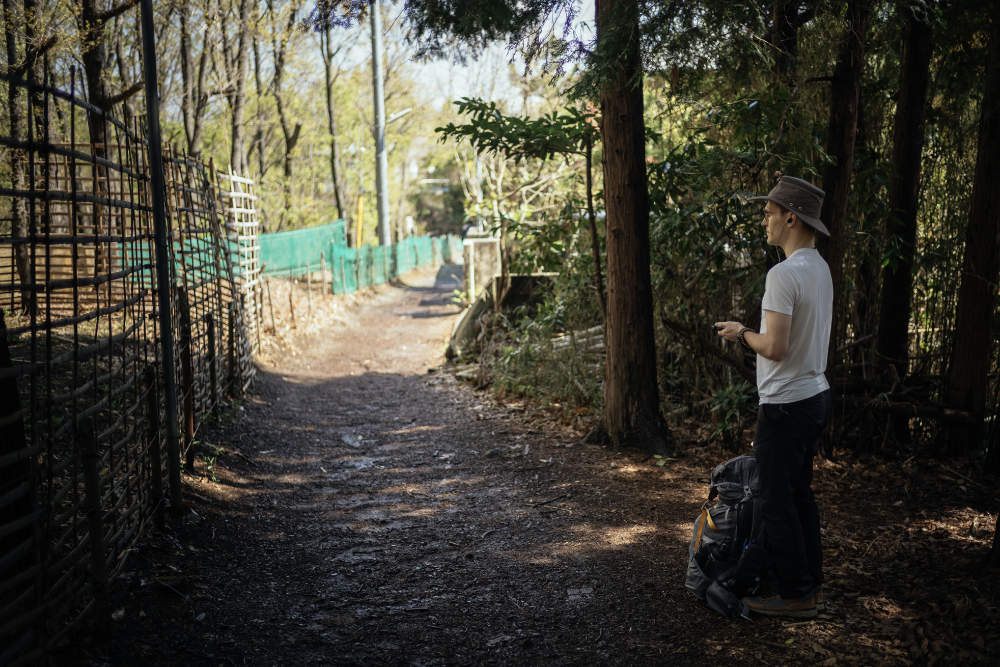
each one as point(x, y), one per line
point(791, 349)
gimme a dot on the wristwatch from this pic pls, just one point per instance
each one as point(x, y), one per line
point(743, 340)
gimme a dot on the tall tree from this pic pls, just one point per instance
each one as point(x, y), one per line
point(904, 186)
point(787, 16)
point(93, 21)
point(282, 31)
point(842, 129)
point(977, 297)
point(235, 19)
point(330, 73)
point(631, 394)
point(194, 64)
point(17, 63)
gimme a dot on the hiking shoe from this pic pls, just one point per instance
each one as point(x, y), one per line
point(819, 599)
point(775, 605)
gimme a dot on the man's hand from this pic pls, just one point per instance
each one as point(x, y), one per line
point(728, 330)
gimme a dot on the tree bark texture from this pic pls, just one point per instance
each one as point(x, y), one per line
point(977, 296)
point(841, 137)
point(787, 17)
point(331, 115)
point(866, 269)
point(16, 117)
point(595, 244)
point(279, 47)
point(904, 188)
point(631, 397)
point(234, 65)
point(193, 96)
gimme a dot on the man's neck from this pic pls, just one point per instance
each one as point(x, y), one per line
point(797, 243)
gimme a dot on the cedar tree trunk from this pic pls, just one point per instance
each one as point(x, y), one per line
point(631, 399)
point(977, 296)
point(904, 187)
point(841, 135)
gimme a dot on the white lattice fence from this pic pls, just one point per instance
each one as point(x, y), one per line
point(239, 202)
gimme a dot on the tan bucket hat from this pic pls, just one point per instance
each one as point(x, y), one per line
point(801, 198)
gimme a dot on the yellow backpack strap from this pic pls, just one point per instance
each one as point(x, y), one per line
point(711, 524)
point(701, 528)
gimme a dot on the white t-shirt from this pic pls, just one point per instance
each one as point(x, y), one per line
point(801, 287)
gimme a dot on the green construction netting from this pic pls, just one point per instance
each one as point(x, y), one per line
point(357, 268)
point(299, 251)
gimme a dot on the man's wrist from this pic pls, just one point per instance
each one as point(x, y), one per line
point(741, 337)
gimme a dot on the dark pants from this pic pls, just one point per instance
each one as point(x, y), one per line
point(785, 445)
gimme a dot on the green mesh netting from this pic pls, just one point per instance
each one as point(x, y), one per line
point(357, 268)
point(299, 251)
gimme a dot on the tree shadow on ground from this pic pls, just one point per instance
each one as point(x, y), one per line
point(386, 517)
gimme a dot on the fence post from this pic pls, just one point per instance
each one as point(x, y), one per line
point(212, 373)
point(234, 362)
point(162, 251)
point(153, 434)
point(95, 524)
point(16, 486)
point(187, 376)
point(291, 301)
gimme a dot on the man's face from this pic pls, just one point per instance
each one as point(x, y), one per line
point(774, 223)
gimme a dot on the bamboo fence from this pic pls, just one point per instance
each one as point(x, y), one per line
point(82, 409)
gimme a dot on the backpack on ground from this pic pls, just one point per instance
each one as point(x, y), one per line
point(724, 561)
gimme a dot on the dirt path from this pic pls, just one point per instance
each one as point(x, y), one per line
point(365, 511)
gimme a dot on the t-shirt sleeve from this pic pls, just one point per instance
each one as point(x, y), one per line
point(779, 291)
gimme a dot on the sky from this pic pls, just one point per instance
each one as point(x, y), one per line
point(487, 76)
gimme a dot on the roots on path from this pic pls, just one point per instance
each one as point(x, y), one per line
point(362, 510)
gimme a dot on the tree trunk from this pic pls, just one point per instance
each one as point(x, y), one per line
point(193, 98)
point(331, 115)
point(259, 132)
point(972, 348)
point(19, 164)
point(279, 46)
point(595, 245)
point(904, 188)
point(867, 263)
point(631, 397)
point(234, 62)
point(784, 39)
point(94, 58)
point(237, 151)
point(841, 135)
point(787, 17)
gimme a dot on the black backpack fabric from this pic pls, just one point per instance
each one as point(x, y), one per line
point(724, 561)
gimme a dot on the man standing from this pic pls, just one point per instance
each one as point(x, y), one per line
point(794, 394)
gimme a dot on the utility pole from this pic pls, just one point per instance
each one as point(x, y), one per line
point(381, 164)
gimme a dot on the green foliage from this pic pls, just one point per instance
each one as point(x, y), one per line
point(730, 407)
point(489, 131)
point(525, 355)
